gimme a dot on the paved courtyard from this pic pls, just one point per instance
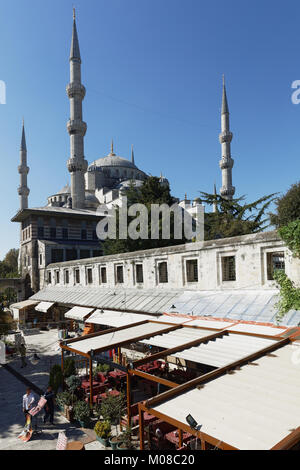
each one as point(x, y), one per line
point(12, 390)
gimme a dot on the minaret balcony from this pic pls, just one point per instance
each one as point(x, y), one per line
point(23, 169)
point(226, 163)
point(227, 191)
point(225, 136)
point(76, 89)
point(76, 126)
point(23, 191)
point(74, 165)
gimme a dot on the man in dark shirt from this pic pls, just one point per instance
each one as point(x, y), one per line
point(49, 407)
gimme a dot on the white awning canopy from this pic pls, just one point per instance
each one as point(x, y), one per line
point(44, 306)
point(107, 341)
point(116, 319)
point(78, 313)
point(253, 409)
point(24, 304)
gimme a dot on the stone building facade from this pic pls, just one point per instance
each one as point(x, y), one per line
point(245, 262)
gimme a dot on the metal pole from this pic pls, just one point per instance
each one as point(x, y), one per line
point(91, 382)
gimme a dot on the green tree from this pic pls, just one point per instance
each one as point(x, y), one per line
point(9, 265)
point(233, 217)
point(150, 192)
point(287, 207)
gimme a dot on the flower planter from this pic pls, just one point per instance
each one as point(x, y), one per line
point(114, 442)
point(104, 442)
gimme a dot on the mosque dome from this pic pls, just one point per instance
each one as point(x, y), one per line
point(112, 160)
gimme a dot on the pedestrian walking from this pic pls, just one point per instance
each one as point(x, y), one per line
point(49, 407)
point(23, 356)
point(28, 401)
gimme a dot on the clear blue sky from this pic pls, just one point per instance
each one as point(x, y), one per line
point(153, 72)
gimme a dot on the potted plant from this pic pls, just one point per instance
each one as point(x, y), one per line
point(63, 400)
point(112, 408)
point(82, 413)
point(103, 432)
point(125, 441)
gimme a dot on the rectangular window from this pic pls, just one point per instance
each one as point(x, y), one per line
point(49, 277)
point(40, 232)
point(97, 253)
point(52, 232)
point(275, 261)
point(139, 273)
point(228, 268)
point(120, 275)
point(57, 255)
point(192, 270)
point(41, 259)
point(163, 272)
point(71, 255)
point(57, 277)
point(65, 233)
point(89, 275)
point(103, 277)
point(77, 276)
point(67, 276)
point(84, 254)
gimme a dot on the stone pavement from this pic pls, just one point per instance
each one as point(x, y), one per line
point(12, 390)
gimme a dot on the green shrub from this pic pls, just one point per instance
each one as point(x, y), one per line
point(69, 367)
point(289, 295)
point(82, 411)
point(55, 377)
point(64, 398)
point(103, 429)
point(112, 408)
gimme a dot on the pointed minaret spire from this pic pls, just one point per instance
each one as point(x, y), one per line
point(77, 165)
point(225, 109)
point(23, 140)
point(132, 155)
point(23, 169)
point(226, 163)
point(75, 51)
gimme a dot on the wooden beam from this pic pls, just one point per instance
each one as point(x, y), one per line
point(289, 441)
point(62, 369)
point(91, 382)
point(181, 347)
point(215, 373)
point(128, 383)
point(141, 427)
point(152, 378)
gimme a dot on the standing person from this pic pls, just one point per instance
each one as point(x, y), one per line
point(28, 401)
point(49, 407)
point(23, 355)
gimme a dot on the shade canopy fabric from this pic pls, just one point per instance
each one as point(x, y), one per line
point(24, 304)
point(115, 319)
point(78, 313)
point(108, 340)
point(252, 409)
point(44, 306)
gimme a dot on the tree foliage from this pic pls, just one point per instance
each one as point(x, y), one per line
point(233, 218)
point(290, 234)
point(9, 265)
point(287, 207)
point(289, 295)
point(150, 192)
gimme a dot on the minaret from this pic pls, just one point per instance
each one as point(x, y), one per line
point(215, 205)
point(23, 169)
point(226, 163)
point(77, 165)
point(132, 155)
